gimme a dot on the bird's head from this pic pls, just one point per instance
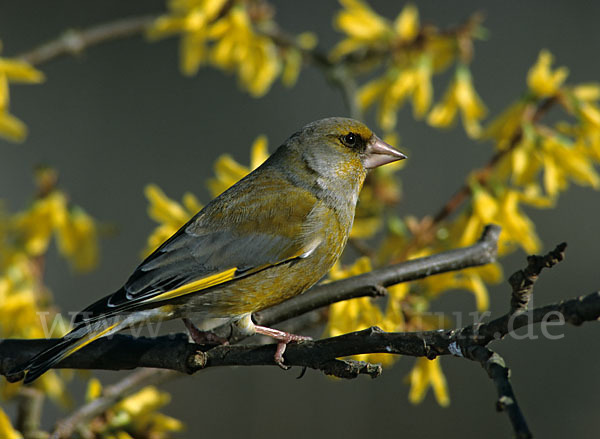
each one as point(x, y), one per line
point(342, 148)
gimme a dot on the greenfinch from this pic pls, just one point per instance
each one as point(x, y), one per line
point(268, 238)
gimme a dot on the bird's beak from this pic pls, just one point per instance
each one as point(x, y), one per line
point(380, 153)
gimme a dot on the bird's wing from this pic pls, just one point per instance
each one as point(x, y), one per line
point(238, 236)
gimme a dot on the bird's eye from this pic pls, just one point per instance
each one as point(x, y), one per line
point(350, 139)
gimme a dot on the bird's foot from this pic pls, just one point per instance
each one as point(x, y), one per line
point(283, 339)
point(203, 337)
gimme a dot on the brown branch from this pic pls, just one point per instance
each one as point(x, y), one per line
point(73, 42)
point(175, 352)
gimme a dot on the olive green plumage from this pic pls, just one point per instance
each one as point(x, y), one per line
point(269, 237)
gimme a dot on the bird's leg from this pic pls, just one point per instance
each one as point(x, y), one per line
point(203, 337)
point(283, 339)
point(247, 327)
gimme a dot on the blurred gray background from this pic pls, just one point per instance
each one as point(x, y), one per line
point(120, 116)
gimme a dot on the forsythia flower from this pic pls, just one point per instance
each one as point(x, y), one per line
point(192, 19)
point(363, 26)
point(77, 240)
point(24, 240)
point(168, 213)
point(137, 414)
point(406, 25)
point(227, 35)
point(7, 431)
point(228, 171)
point(395, 87)
point(461, 96)
point(239, 48)
point(14, 71)
point(473, 280)
point(562, 161)
point(75, 230)
point(517, 228)
point(355, 314)
point(505, 126)
point(428, 373)
point(541, 80)
point(171, 215)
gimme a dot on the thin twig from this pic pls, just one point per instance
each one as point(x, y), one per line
point(73, 42)
point(29, 412)
point(496, 369)
point(522, 281)
point(110, 396)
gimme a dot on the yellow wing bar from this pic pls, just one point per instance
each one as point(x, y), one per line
point(197, 285)
point(87, 339)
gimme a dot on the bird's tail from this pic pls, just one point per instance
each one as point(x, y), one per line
point(79, 337)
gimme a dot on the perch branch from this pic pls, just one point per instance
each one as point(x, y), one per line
point(175, 352)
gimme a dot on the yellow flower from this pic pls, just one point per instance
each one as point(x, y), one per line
point(138, 414)
point(406, 24)
point(146, 400)
point(193, 20)
point(14, 71)
point(228, 171)
point(542, 80)
point(461, 96)
point(423, 91)
point(238, 47)
point(395, 87)
point(170, 215)
point(562, 161)
point(7, 431)
point(355, 314)
point(590, 114)
point(78, 240)
point(94, 390)
point(517, 228)
point(162, 424)
point(425, 374)
point(227, 35)
point(587, 92)
point(37, 224)
point(292, 59)
point(504, 127)
point(362, 25)
point(532, 195)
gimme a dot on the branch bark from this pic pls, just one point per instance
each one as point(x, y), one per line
point(175, 352)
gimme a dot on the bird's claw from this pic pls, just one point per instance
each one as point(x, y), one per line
point(283, 338)
point(282, 345)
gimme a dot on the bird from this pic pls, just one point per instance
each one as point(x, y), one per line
point(269, 237)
